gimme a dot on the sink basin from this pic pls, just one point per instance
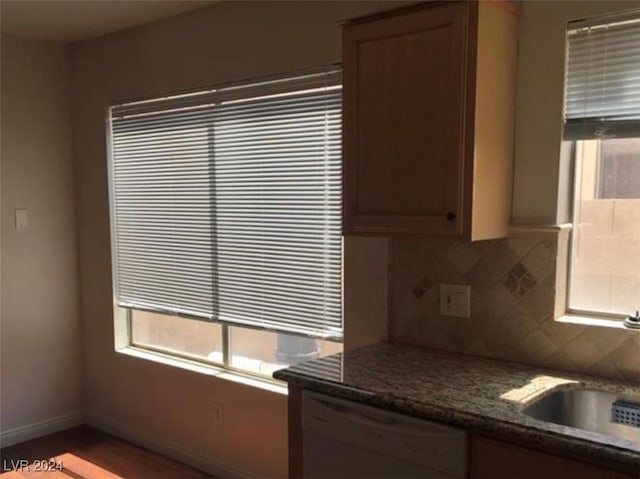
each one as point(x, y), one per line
point(608, 413)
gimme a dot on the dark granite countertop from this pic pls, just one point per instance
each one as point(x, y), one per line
point(482, 395)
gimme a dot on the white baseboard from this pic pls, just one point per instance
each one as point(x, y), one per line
point(40, 428)
point(192, 458)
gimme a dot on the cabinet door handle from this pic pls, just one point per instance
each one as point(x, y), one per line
point(451, 216)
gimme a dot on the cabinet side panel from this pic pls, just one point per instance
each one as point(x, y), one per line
point(349, 126)
point(494, 120)
point(295, 432)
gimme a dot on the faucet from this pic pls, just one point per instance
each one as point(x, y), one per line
point(633, 321)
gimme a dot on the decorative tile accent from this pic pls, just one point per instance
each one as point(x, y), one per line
point(517, 287)
point(422, 287)
point(519, 281)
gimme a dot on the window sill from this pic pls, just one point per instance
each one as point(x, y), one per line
point(214, 371)
point(603, 322)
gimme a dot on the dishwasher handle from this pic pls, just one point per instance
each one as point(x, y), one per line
point(390, 425)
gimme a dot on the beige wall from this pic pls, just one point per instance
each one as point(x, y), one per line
point(540, 188)
point(41, 359)
point(228, 41)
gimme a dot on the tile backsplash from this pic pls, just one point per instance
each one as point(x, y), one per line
point(516, 291)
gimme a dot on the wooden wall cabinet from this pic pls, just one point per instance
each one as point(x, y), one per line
point(429, 96)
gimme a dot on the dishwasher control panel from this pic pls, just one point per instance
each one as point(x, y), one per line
point(356, 430)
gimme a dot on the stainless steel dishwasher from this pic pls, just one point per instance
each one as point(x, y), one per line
point(344, 439)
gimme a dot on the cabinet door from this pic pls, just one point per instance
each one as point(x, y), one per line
point(497, 460)
point(405, 91)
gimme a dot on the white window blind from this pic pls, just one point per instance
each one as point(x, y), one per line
point(602, 97)
point(226, 204)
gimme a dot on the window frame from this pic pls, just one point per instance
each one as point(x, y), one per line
point(623, 127)
point(573, 191)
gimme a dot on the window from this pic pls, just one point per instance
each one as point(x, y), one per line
point(602, 122)
point(226, 221)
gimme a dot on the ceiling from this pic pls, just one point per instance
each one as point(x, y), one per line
point(68, 21)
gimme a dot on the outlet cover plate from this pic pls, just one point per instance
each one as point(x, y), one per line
point(455, 300)
point(218, 414)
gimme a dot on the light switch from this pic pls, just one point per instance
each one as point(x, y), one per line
point(22, 219)
point(455, 300)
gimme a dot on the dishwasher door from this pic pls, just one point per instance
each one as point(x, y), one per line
point(343, 439)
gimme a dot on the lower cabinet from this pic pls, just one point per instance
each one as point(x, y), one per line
point(490, 459)
point(487, 458)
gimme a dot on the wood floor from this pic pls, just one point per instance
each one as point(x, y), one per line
point(86, 453)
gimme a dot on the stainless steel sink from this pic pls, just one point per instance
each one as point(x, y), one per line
point(608, 413)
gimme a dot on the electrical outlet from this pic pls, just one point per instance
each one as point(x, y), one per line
point(218, 414)
point(21, 219)
point(455, 300)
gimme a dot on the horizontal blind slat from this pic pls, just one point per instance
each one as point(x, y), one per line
point(227, 205)
point(603, 77)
